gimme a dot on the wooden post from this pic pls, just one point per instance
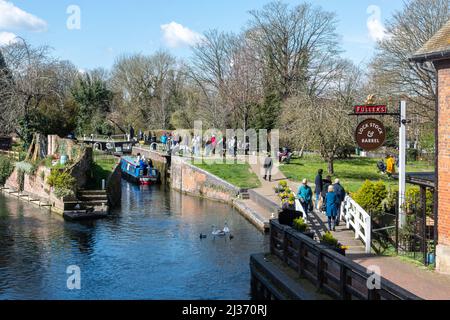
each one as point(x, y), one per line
point(319, 270)
point(343, 282)
point(368, 234)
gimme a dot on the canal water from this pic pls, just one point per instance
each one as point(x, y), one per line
point(150, 248)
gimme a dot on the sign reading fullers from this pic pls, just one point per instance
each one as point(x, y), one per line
point(370, 135)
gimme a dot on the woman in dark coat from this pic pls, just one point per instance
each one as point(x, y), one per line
point(332, 202)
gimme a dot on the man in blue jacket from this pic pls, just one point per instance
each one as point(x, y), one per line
point(340, 194)
point(305, 196)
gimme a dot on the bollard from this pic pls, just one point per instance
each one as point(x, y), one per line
point(103, 184)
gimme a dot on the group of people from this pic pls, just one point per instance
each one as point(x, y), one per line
point(144, 164)
point(212, 144)
point(328, 198)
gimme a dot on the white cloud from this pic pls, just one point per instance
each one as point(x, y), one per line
point(377, 31)
point(12, 17)
point(7, 38)
point(176, 35)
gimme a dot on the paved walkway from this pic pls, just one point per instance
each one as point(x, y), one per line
point(422, 282)
point(318, 221)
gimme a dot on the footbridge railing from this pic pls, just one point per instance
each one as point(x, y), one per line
point(359, 220)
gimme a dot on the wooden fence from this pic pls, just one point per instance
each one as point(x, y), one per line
point(359, 220)
point(11, 154)
point(331, 272)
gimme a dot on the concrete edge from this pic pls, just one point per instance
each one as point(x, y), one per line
point(252, 216)
point(10, 192)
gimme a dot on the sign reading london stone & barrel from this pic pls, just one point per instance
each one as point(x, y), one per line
point(370, 135)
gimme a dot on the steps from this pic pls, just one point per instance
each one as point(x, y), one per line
point(245, 195)
point(90, 204)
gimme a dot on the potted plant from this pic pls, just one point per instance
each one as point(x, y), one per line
point(282, 187)
point(331, 242)
point(301, 226)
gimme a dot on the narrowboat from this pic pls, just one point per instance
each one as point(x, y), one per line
point(137, 172)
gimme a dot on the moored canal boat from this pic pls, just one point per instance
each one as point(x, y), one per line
point(138, 171)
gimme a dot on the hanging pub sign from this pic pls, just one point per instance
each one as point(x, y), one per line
point(370, 135)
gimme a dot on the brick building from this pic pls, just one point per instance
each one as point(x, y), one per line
point(437, 51)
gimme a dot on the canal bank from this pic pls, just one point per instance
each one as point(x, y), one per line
point(42, 179)
point(149, 248)
point(186, 178)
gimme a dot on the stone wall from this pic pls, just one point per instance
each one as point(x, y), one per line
point(37, 187)
point(80, 169)
point(114, 188)
point(191, 180)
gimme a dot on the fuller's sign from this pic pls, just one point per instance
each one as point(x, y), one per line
point(370, 135)
point(378, 109)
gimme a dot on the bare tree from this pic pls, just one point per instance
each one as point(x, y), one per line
point(211, 68)
point(35, 80)
point(322, 122)
point(407, 31)
point(144, 84)
point(292, 44)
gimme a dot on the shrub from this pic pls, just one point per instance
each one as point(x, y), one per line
point(388, 205)
point(62, 182)
point(6, 168)
point(412, 200)
point(371, 195)
point(300, 225)
point(412, 154)
point(26, 167)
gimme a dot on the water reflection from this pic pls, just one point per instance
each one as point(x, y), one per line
point(148, 249)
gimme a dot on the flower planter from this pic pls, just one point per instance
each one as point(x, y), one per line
point(335, 249)
point(287, 217)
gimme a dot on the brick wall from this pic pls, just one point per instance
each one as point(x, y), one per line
point(191, 180)
point(114, 187)
point(37, 187)
point(444, 152)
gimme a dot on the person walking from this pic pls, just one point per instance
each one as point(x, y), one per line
point(268, 165)
point(213, 144)
point(390, 166)
point(340, 193)
point(305, 196)
point(164, 141)
point(319, 186)
point(196, 146)
point(325, 184)
point(331, 202)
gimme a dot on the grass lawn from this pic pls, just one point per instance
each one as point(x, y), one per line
point(102, 167)
point(239, 175)
point(352, 172)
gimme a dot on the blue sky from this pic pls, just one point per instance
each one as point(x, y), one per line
point(111, 28)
